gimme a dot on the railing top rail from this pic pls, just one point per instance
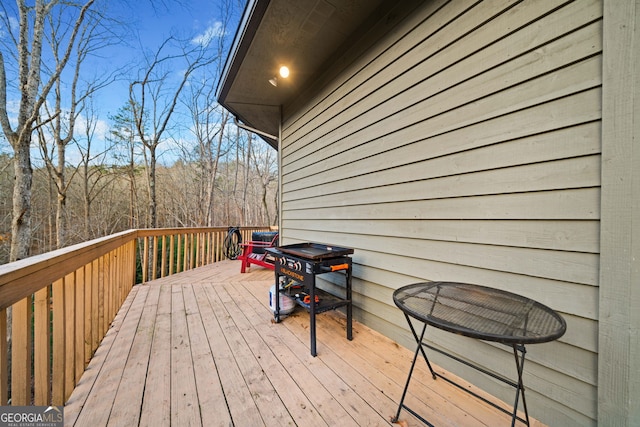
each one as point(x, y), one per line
point(22, 278)
point(145, 232)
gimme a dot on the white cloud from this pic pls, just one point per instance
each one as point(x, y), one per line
point(100, 130)
point(214, 30)
point(14, 24)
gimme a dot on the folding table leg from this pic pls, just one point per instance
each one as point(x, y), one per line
point(413, 364)
point(520, 385)
point(420, 346)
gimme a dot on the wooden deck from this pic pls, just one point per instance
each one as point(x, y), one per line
point(200, 348)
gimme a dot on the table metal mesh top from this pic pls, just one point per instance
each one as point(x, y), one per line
point(480, 312)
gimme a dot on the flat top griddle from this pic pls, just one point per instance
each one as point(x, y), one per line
point(314, 251)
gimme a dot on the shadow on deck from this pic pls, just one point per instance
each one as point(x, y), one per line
point(200, 348)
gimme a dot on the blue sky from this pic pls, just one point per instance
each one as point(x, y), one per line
point(152, 22)
point(147, 24)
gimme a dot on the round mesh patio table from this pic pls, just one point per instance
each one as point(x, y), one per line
point(482, 313)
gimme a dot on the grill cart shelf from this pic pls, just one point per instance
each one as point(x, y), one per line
point(301, 263)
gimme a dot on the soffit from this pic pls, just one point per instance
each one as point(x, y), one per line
point(301, 34)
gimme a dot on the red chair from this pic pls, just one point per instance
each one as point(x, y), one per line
point(253, 252)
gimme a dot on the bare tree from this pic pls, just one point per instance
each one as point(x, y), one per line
point(209, 127)
point(154, 96)
point(123, 134)
point(28, 44)
point(234, 212)
point(5, 205)
point(61, 122)
point(210, 122)
point(95, 177)
point(264, 161)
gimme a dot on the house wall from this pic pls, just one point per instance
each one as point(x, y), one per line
point(463, 143)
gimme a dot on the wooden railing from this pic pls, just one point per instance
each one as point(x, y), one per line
point(61, 303)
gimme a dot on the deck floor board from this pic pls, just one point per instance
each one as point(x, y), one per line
point(200, 348)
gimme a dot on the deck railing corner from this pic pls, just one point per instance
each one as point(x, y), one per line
point(55, 308)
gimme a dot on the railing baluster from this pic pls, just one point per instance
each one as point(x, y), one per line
point(172, 254)
point(113, 283)
point(117, 280)
point(163, 265)
point(205, 249)
point(42, 347)
point(21, 352)
point(219, 240)
point(198, 243)
point(179, 252)
point(145, 259)
point(154, 257)
point(80, 321)
point(217, 244)
point(185, 265)
point(206, 238)
point(95, 307)
point(69, 308)
point(59, 332)
point(211, 247)
point(106, 284)
point(102, 295)
point(202, 247)
point(203, 236)
point(4, 372)
point(193, 249)
point(88, 312)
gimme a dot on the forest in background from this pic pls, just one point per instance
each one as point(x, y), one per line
point(107, 198)
point(172, 157)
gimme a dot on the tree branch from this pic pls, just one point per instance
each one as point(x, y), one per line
point(4, 117)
